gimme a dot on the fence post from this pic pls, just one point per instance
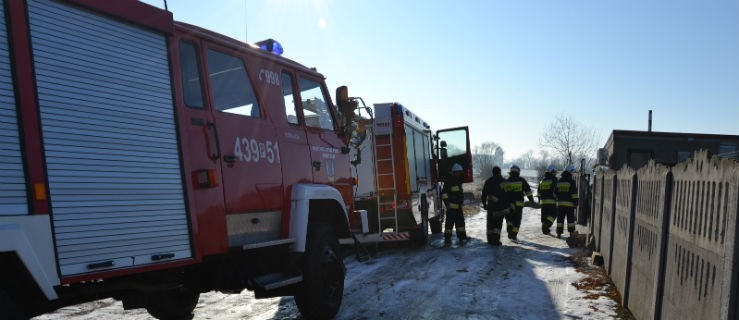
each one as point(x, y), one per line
point(583, 206)
point(630, 237)
point(612, 214)
point(591, 224)
point(734, 289)
point(665, 235)
point(600, 215)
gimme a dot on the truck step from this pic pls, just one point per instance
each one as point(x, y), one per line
point(271, 243)
point(396, 236)
point(382, 237)
point(276, 280)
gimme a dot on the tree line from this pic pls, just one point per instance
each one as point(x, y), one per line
point(564, 141)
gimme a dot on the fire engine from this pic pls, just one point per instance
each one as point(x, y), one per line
point(399, 167)
point(150, 160)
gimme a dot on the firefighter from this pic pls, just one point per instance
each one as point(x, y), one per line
point(453, 198)
point(567, 198)
point(516, 188)
point(547, 198)
point(495, 200)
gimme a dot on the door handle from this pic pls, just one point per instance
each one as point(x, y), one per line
point(317, 165)
point(211, 127)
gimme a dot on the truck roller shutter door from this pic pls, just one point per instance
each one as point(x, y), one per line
point(110, 142)
point(13, 199)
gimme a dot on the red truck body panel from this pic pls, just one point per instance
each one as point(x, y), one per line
point(233, 168)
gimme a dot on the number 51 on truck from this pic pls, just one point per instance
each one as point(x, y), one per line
point(150, 160)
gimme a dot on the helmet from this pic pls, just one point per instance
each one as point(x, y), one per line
point(515, 168)
point(569, 168)
point(457, 168)
point(552, 168)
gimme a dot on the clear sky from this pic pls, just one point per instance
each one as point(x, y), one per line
point(507, 68)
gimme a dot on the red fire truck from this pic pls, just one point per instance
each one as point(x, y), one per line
point(151, 160)
point(399, 167)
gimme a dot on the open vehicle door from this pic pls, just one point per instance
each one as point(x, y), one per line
point(453, 146)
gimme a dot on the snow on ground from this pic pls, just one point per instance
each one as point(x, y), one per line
point(530, 279)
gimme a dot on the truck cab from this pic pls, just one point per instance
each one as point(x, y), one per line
point(151, 160)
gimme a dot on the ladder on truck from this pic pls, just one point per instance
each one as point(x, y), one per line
point(386, 184)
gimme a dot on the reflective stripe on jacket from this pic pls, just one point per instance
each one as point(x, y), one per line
point(452, 193)
point(517, 188)
point(567, 195)
point(547, 190)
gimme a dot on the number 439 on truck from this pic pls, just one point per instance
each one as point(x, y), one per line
point(151, 160)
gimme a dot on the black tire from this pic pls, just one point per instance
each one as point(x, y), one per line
point(319, 295)
point(8, 309)
point(423, 233)
point(172, 305)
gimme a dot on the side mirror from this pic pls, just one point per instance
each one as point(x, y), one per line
point(346, 105)
point(346, 108)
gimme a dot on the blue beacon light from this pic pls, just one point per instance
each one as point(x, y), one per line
point(270, 45)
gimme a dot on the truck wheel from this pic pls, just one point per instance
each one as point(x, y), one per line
point(8, 309)
point(320, 293)
point(172, 304)
point(424, 232)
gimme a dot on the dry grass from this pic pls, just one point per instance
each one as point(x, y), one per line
point(597, 283)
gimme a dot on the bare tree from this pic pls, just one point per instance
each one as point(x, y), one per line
point(486, 156)
point(545, 156)
point(541, 168)
point(525, 161)
point(569, 140)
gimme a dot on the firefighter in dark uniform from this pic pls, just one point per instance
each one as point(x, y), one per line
point(547, 193)
point(517, 188)
point(495, 200)
point(567, 198)
point(453, 198)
